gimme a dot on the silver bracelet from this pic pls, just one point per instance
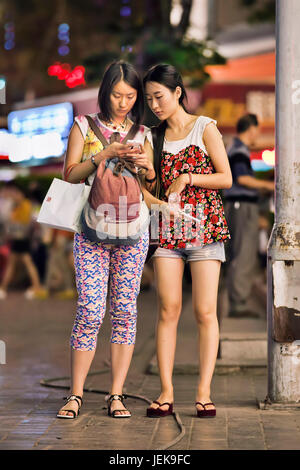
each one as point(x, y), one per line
point(93, 161)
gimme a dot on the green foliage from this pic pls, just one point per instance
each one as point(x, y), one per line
point(189, 57)
point(99, 34)
point(144, 43)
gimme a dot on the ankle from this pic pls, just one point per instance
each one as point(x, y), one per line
point(77, 393)
point(167, 391)
point(203, 392)
point(116, 392)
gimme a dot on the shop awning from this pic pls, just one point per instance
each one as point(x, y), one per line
point(254, 69)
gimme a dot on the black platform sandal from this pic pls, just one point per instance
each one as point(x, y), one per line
point(75, 415)
point(112, 414)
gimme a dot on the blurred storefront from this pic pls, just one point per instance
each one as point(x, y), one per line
point(243, 85)
point(36, 138)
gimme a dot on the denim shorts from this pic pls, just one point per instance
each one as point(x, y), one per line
point(214, 250)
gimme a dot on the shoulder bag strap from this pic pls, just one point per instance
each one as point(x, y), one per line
point(132, 132)
point(97, 131)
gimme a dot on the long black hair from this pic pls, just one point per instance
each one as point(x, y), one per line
point(167, 75)
point(114, 73)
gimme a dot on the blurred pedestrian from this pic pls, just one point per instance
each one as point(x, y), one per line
point(242, 214)
point(59, 273)
point(6, 208)
point(121, 93)
point(39, 232)
point(19, 239)
point(192, 162)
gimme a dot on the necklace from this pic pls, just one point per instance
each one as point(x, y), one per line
point(118, 127)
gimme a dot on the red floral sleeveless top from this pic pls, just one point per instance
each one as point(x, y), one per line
point(189, 155)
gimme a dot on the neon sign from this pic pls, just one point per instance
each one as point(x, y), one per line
point(39, 132)
point(72, 78)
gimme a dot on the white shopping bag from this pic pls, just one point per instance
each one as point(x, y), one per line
point(63, 205)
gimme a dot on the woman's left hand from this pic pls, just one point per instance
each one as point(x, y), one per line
point(178, 185)
point(140, 159)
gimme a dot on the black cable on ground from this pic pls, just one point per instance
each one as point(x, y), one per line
point(48, 383)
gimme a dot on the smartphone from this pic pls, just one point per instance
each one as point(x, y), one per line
point(134, 144)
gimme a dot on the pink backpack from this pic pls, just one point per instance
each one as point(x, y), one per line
point(115, 212)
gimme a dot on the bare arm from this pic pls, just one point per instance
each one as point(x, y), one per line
point(216, 150)
point(251, 182)
point(151, 172)
point(75, 170)
point(152, 200)
point(145, 160)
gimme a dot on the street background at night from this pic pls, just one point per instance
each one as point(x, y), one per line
point(53, 55)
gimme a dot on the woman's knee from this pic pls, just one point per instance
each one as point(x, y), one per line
point(123, 327)
point(88, 319)
point(206, 314)
point(170, 313)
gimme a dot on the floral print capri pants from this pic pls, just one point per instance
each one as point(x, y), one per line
point(96, 263)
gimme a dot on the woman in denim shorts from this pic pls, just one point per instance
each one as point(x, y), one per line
point(191, 161)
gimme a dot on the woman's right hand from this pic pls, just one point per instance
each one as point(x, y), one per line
point(168, 211)
point(116, 150)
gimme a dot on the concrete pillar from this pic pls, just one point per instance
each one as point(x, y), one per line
point(283, 303)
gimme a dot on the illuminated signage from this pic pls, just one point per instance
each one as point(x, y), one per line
point(72, 78)
point(268, 157)
point(39, 132)
point(260, 165)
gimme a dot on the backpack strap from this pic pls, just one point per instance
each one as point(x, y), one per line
point(121, 164)
point(131, 133)
point(97, 131)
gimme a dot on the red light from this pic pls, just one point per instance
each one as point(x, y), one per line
point(54, 70)
point(72, 78)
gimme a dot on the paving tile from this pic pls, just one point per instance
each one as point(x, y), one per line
point(28, 410)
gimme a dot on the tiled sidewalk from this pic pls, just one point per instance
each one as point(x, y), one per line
point(36, 336)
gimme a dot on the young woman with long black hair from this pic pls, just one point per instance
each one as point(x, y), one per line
point(120, 95)
point(193, 163)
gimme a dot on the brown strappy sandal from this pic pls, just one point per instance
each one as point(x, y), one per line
point(157, 413)
point(205, 413)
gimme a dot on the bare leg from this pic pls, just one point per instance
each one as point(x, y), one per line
point(169, 273)
point(11, 263)
point(205, 276)
point(32, 271)
point(80, 365)
point(121, 355)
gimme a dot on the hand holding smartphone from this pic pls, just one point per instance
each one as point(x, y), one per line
point(134, 144)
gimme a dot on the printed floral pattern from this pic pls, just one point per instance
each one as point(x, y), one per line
point(97, 264)
point(213, 227)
